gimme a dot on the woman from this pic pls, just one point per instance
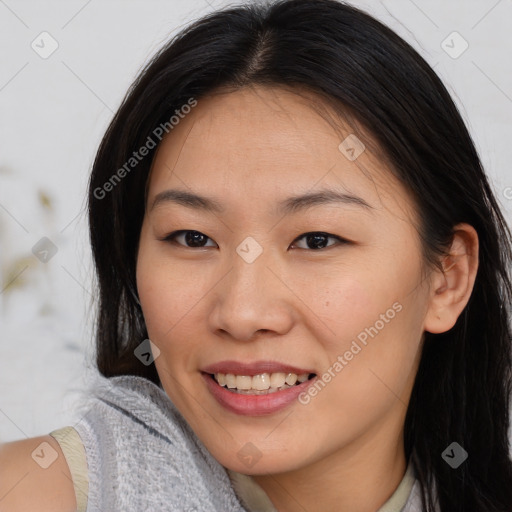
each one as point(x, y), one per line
point(290, 207)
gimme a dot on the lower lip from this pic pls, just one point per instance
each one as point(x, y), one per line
point(254, 405)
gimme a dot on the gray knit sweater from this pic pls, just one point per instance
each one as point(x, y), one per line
point(142, 455)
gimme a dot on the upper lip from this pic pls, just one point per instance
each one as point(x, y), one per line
point(254, 368)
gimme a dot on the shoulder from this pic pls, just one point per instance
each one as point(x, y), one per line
point(141, 452)
point(34, 475)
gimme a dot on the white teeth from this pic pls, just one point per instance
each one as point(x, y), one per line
point(243, 382)
point(263, 382)
point(230, 380)
point(291, 379)
point(277, 380)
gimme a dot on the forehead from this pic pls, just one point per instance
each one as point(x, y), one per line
point(265, 143)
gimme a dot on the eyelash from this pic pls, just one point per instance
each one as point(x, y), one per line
point(171, 238)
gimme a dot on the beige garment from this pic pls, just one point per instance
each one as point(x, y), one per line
point(251, 494)
point(254, 498)
point(74, 452)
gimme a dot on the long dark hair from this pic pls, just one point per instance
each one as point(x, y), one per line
point(360, 68)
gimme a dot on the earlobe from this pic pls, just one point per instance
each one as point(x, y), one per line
point(451, 288)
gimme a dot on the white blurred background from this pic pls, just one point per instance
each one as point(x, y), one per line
point(54, 110)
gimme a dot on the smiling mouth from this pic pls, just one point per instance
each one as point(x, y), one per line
point(261, 384)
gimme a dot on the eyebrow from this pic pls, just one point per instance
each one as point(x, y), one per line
point(287, 206)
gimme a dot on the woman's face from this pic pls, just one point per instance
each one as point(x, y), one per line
point(242, 292)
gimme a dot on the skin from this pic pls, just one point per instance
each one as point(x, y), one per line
point(296, 304)
point(26, 485)
point(302, 307)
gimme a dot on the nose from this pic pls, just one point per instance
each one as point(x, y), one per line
point(252, 300)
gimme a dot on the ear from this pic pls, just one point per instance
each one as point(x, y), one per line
point(451, 288)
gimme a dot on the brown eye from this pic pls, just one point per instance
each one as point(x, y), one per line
point(319, 240)
point(191, 239)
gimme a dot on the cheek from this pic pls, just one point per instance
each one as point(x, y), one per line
point(375, 361)
point(349, 299)
point(167, 292)
point(172, 297)
point(375, 318)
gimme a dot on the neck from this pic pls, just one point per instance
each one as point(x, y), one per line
point(361, 476)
